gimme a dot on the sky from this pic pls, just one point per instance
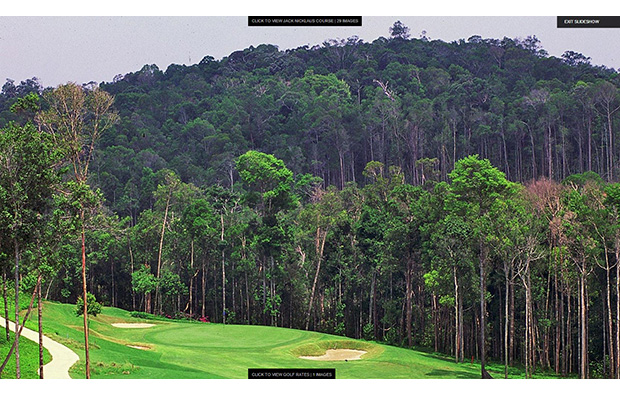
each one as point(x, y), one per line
point(61, 47)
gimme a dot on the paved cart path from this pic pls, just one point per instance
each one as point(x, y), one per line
point(62, 357)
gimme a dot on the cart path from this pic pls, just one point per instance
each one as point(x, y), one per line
point(62, 357)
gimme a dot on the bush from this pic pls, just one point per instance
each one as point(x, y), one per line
point(93, 308)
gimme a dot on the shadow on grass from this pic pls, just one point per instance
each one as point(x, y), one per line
point(443, 373)
point(444, 358)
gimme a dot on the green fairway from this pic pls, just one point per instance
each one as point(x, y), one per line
point(202, 350)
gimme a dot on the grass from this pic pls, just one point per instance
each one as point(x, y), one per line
point(181, 349)
point(319, 348)
point(28, 357)
point(190, 350)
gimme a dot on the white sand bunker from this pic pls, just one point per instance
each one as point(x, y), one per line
point(132, 325)
point(338, 355)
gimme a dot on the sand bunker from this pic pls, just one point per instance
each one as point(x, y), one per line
point(132, 325)
point(138, 347)
point(338, 355)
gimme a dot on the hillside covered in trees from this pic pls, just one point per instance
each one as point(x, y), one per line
point(460, 197)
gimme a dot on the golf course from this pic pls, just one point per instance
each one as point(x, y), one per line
point(126, 347)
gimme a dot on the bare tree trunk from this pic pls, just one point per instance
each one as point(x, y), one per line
point(589, 143)
point(247, 293)
point(247, 299)
point(461, 330)
point(408, 306)
point(341, 158)
point(233, 290)
point(264, 275)
point(617, 309)
point(272, 293)
point(371, 318)
point(40, 321)
point(17, 367)
point(6, 305)
point(319, 246)
point(133, 292)
point(578, 314)
point(482, 309)
point(506, 319)
point(610, 161)
point(161, 247)
point(204, 287)
point(544, 357)
point(549, 153)
point(610, 324)
point(85, 299)
point(558, 322)
point(113, 285)
point(507, 166)
point(529, 326)
point(435, 323)
point(534, 173)
point(223, 273)
point(531, 329)
point(562, 339)
point(584, 341)
point(190, 301)
point(457, 344)
point(511, 348)
point(147, 302)
point(569, 336)
point(223, 289)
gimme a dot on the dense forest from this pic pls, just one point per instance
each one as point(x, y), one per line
point(460, 197)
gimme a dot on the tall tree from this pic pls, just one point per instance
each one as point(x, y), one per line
point(269, 191)
point(613, 202)
point(200, 222)
point(76, 117)
point(27, 179)
point(399, 30)
point(476, 188)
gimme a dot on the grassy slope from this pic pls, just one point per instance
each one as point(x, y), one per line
point(199, 350)
point(28, 354)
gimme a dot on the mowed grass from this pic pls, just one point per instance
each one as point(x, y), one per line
point(28, 357)
point(185, 350)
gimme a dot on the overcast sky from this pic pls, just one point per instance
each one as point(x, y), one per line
point(83, 49)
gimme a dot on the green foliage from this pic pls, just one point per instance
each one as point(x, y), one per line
point(28, 103)
point(476, 186)
point(582, 179)
point(143, 281)
point(170, 284)
point(369, 332)
point(269, 182)
point(200, 220)
point(27, 179)
point(92, 306)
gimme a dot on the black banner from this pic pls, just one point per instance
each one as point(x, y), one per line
point(291, 373)
point(588, 21)
point(322, 21)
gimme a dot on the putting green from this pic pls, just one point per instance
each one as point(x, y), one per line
point(173, 349)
